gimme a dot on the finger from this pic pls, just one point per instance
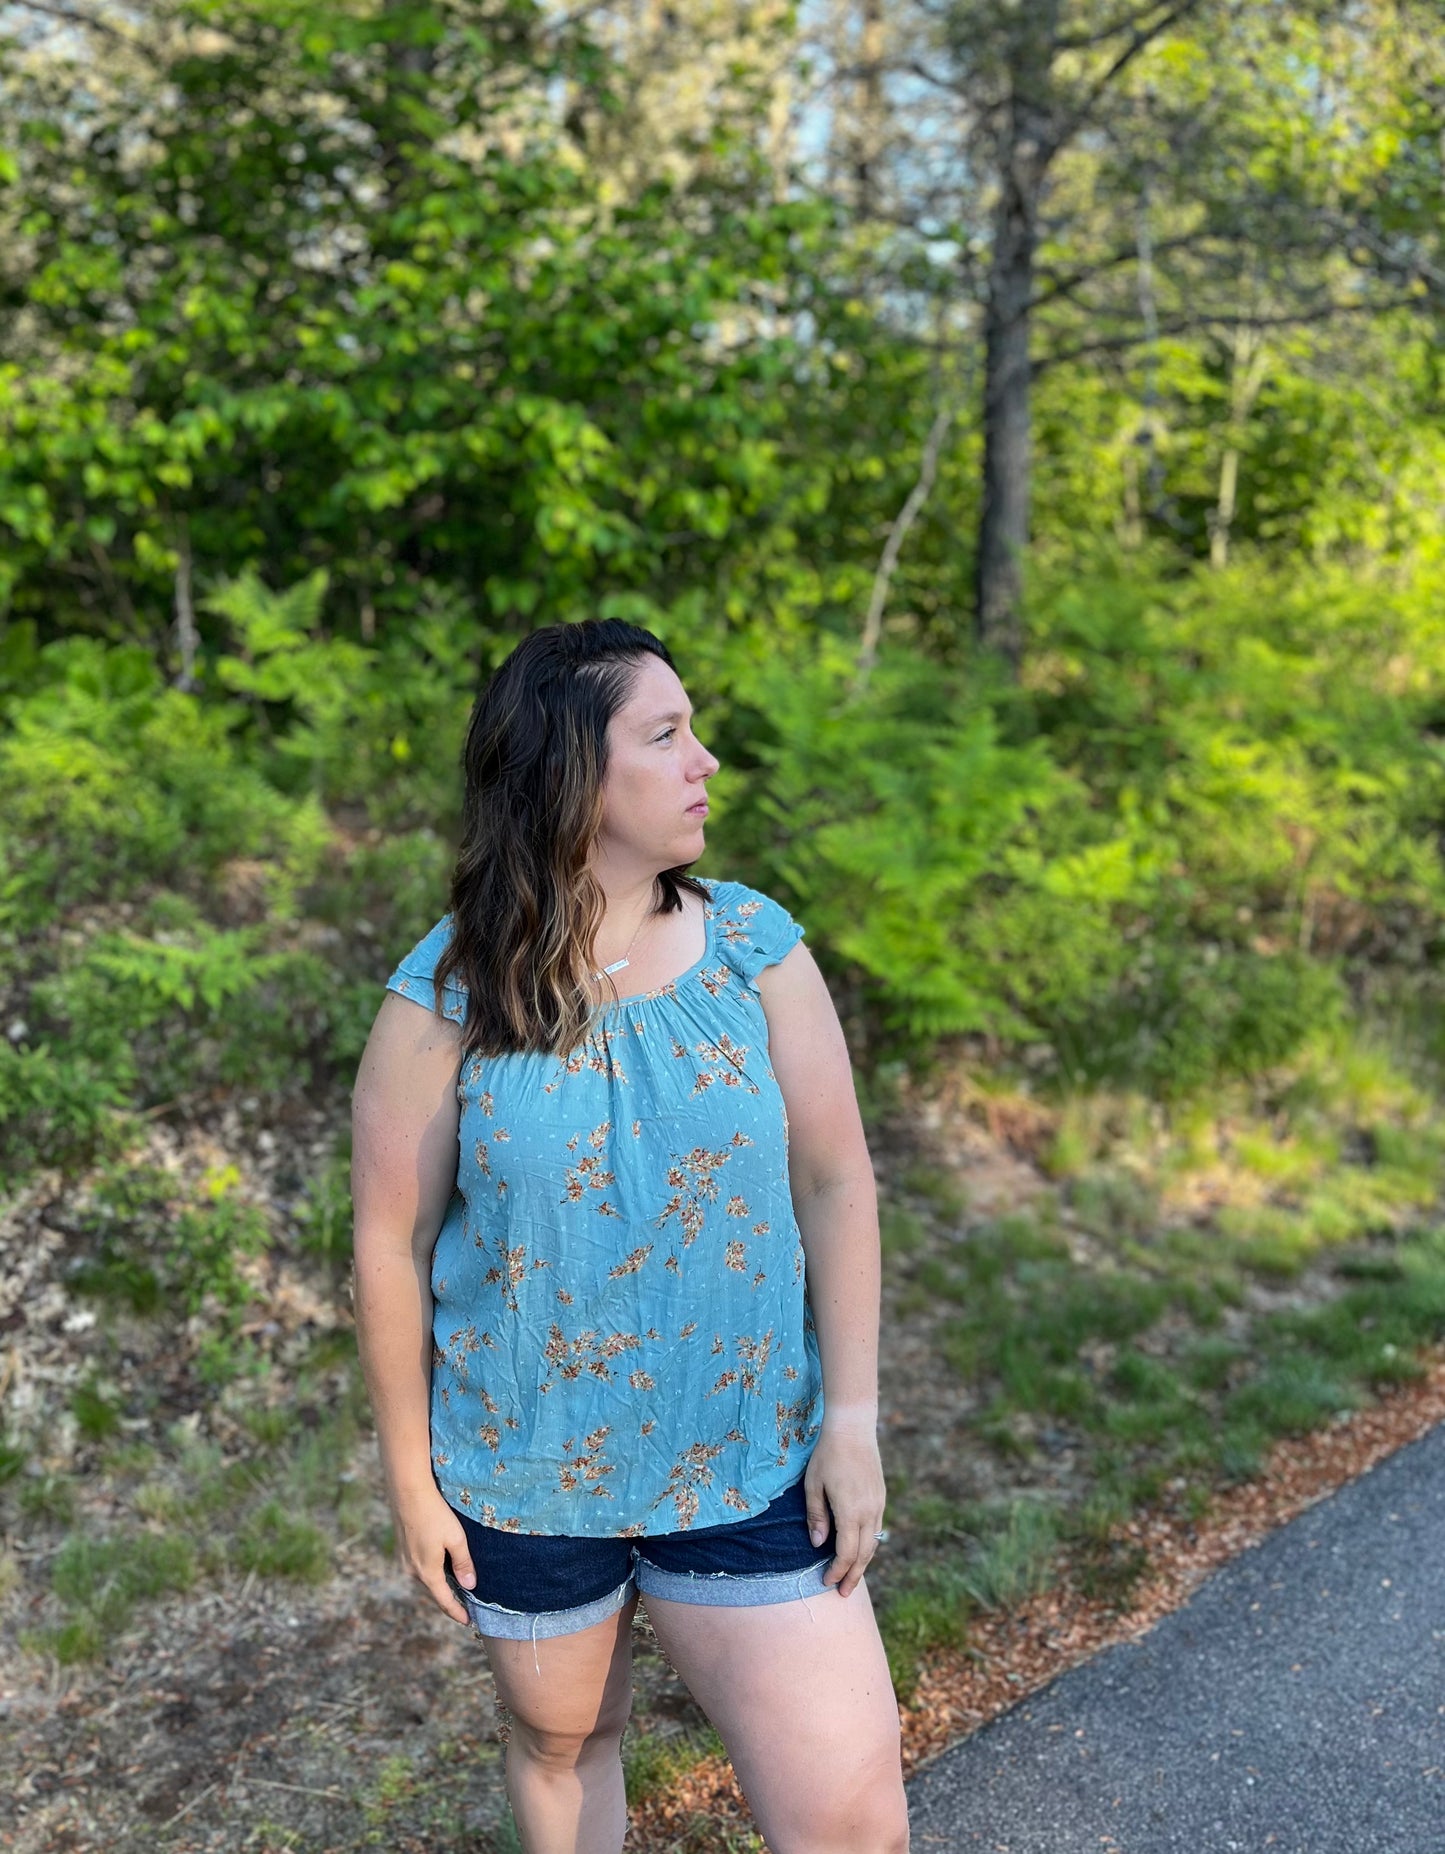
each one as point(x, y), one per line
point(443, 1596)
point(461, 1557)
point(817, 1515)
point(855, 1575)
point(853, 1566)
point(844, 1566)
point(841, 1562)
point(434, 1582)
point(861, 1546)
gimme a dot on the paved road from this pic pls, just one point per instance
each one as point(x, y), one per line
point(1295, 1705)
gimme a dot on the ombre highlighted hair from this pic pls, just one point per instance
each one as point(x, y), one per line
point(524, 904)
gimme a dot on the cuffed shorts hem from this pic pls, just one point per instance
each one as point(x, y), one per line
point(524, 1625)
point(724, 1589)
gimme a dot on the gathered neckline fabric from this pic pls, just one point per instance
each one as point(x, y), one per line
point(665, 990)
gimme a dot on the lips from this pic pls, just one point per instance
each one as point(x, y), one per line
point(699, 810)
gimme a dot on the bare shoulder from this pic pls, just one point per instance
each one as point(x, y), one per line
point(405, 1121)
point(793, 978)
point(412, 1058)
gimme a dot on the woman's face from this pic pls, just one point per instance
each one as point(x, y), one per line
point(657, 771)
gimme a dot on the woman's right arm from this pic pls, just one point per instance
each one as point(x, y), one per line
point(404, 1154)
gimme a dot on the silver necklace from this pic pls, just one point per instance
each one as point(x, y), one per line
point(618, 964)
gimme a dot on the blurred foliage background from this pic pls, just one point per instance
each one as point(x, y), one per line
point(1023, 423)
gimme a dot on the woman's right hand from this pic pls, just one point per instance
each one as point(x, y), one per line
point(427, 1533)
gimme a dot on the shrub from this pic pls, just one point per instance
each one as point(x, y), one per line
point(143, 1245)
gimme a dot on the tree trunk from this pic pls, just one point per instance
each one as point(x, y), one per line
point(1029, 145)
point(1247, 376)
point(1224, 508)
point(867, 128)
point(187, 638)
point(1003, 530)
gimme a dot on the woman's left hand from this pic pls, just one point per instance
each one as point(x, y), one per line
point(845, 1474)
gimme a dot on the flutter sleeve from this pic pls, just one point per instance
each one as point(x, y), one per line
point(413, 978)
point(756, 930)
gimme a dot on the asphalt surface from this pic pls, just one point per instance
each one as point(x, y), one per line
point(1294, 1705)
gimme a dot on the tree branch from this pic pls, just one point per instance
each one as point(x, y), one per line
point(87, 20)
point(1408, 264)
point(1143, 37)
point(1073, 280)
point(1086, 41)
point(898, 534)
point(1190, 324)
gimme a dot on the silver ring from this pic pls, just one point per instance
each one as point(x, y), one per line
point(881, 1535)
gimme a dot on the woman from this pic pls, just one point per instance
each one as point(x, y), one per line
point(617, 1272)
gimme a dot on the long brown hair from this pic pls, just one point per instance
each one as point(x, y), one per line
point(524, 905)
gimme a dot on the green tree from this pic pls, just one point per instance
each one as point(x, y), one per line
point(1113, 179)
point(310, 288)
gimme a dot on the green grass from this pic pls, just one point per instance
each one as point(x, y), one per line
point(1044, 1336)
point(49, 1498)
point(505, 1838)
point(270, 1511)
point(395, 1782)
point(900, 1232)
point(650, 1761)
point(975, 1558)
point(937, 1186)
point(1209, 1361)
point(1291, 1396)
point(1105, 1568)
point(132, 1566)
point(1113, 1203)
point(275, 1543)
point(269, 1426)
point(95, 1415)
point(1016, 1559)
point(1029, 1310)
point(924, 1607)
point(324, 1215)
point(129, 1461)
point(101, 1579)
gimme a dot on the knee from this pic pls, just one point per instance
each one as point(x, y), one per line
point(563, 1745)
point(873, 1819)
point(881, 1827)
point(880, 1823)
point(891, 1834)
point(878, 1828)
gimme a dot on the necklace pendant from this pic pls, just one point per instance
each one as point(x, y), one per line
point(616, 966)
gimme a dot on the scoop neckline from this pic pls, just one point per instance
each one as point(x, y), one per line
point(668, 985)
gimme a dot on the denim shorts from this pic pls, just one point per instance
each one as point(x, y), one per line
point(533, 1585)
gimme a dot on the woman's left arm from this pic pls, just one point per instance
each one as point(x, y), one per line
point(836, 1204)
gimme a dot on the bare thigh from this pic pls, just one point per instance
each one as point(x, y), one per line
point(585, 1685)
point(801, 1695)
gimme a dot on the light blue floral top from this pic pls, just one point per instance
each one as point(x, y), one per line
point(623, 1341)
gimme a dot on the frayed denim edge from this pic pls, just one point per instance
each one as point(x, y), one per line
point(520, 1625)
point(730, 1589)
